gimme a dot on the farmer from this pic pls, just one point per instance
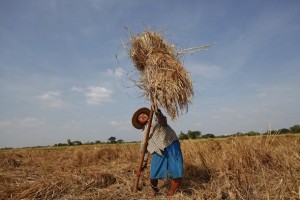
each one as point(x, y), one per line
point(164, 147)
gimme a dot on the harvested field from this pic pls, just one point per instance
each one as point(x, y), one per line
point(233, 168)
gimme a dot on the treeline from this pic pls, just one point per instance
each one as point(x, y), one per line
point(191, 135)
point(197, 134)
point(111, 140)
point(194, 135)
point(294, 129)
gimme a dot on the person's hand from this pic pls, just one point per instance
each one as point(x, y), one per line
point(144, 166)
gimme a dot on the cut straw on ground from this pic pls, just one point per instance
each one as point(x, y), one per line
point(232, 168)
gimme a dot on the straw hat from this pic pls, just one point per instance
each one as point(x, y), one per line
point(135, 116)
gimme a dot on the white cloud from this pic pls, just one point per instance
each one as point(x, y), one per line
point(120, 125)
point(118, 72)
point(262, 94)
point(22, 123)
point(198, 124)
point(29, 122)
point(52, 99)
point(77, 89)
point(241, 116)
point(216, 117)
point(95, 95)
point(5, 123)
point(207, 71)
point(72, 125)
point(260, 110)
point(226, 110)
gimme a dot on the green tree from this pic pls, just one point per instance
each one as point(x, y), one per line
point(69, 142)
point(120, 141)
point(209, 135)
point(284, 130)
point(295, 129)
point(112, 140)
point(238, 134)
point(193, 134)
point(183, 136)
point(252, 133)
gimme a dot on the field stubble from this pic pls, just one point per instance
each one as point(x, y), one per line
point(233, 168)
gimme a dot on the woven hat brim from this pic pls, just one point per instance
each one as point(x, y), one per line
point(135, 123)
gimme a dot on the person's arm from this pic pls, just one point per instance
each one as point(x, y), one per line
point(142, 141)
point(145, 162)
point(141, 149)
point(161, 119)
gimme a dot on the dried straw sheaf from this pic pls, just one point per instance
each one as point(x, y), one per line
point(163, 77)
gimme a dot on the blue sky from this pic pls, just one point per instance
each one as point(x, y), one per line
point(64, 72)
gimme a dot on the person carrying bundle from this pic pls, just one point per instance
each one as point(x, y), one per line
point(166, 84)
point(164, 147)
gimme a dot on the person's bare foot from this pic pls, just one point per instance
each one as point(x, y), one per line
point(175, 183)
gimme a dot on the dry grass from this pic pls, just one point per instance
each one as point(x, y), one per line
point(236, 168)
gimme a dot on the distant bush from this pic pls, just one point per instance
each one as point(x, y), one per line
point(295, 129)
point(284, 130)
point(189, 135)
point(76, 143)
point(209, 135)
point(61, 144)
point(183, 136)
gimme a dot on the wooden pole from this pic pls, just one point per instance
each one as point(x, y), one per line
point(138, 174)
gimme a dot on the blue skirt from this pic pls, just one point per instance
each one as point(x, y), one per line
point(171, 161)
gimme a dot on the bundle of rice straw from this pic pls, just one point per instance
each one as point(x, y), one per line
point(163, 77)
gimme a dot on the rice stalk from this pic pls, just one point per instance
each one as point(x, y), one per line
point(163, 77)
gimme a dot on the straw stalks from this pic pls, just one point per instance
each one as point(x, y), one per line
point(234, 168)
point(163, 77)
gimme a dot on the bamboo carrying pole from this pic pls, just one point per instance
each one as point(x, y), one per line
point(138, 174)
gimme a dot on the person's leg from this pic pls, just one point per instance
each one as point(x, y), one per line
point(175, 183)
point(158, 170)
point(175, 166)
point(154, 183)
